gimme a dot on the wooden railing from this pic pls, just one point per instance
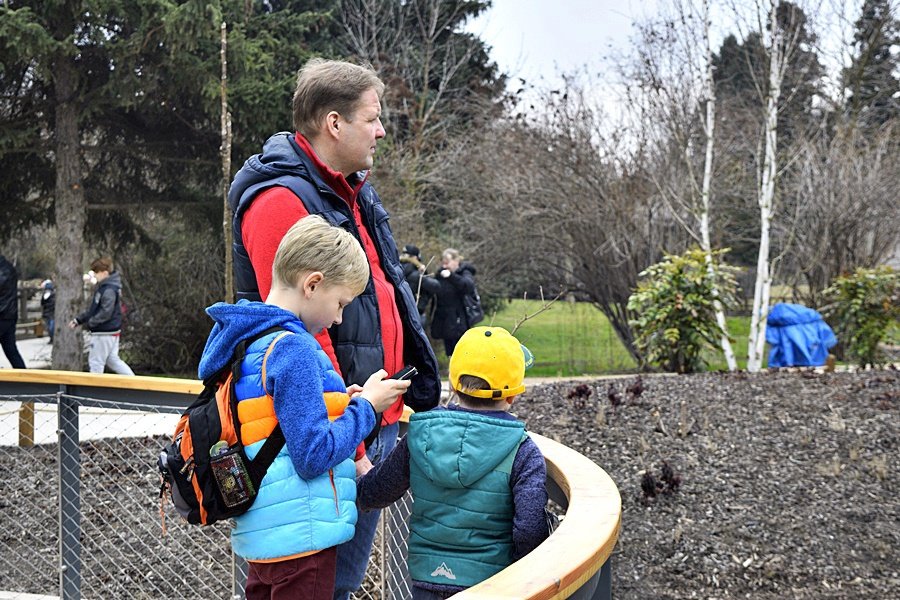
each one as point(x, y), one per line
point(568, 562)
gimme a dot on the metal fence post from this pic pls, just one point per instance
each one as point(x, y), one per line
point(69, 498)
point(239, 570)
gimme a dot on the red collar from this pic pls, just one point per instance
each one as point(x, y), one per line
point(332, 178)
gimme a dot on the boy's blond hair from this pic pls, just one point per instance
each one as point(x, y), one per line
point(330, 85)
point(313, 244)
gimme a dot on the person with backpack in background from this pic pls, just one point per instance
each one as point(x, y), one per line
point(48, 306)
point(305, 506)
point(423, 288)
point(103, 318)
point(9, 312)
point(477, 479)
point(456, 279)
point(322, 167)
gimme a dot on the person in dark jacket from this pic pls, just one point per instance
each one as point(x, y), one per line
point(477, 479)
point(323, 169)
point(423, 287)
point(48, 306)
point(456, 279)
point(9, 312)
point(104, 320)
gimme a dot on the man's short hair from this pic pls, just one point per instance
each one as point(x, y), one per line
point(102, 264)
point(330, 85)
point(313, 244)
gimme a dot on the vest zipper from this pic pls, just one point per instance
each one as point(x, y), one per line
point(337, 508)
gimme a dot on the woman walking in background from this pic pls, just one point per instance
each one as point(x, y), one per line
point(456, 279)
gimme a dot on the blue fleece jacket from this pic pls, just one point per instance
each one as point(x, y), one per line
point(306, 501)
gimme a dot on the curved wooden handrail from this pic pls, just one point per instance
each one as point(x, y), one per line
point(125, 382)
point(580, 545)
point(570, 557)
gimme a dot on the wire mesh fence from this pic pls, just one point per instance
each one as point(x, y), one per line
point(81, 514)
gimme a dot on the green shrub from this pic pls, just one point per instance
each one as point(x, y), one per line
point(673, 309)
point(863, 310)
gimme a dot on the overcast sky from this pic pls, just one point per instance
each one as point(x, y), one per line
point(539, 38)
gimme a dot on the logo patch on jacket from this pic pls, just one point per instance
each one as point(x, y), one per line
point(443, 571)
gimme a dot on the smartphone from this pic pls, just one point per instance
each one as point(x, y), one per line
point(407, 372)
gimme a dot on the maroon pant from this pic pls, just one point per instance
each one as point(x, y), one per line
point(306, 578)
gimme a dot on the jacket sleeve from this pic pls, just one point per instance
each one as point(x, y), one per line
point(262, 227)
point(387, 481)
point(528, 479)
point(314, 443)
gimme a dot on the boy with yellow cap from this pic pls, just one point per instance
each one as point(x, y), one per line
point(476, 478)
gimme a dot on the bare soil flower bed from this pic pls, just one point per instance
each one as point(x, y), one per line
point(785, 483)
point(779, 485)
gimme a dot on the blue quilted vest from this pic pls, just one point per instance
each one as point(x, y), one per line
point(292, 515)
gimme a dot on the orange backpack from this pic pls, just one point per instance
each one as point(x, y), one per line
point(205, 470)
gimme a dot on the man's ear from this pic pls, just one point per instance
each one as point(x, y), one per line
point(311, 282)
point(333, 123)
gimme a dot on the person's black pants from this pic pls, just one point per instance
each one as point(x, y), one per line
point(8, 341)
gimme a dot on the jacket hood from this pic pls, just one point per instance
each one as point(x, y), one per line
point(113, 280)
point(467, 266)
point(784, 313)
point(236, 322)
point(456, 448)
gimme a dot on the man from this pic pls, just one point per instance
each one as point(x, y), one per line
point(322, 169)
point(104, 320)
point(423, 288)
point(9, 312)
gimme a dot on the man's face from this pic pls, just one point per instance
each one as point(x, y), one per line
point(359, 134)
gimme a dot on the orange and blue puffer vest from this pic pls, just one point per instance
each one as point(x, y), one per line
point(291, 516)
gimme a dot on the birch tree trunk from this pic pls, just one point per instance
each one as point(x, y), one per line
point(762, 289)
point(71, 214)
point(225, 153)
point(709, 128)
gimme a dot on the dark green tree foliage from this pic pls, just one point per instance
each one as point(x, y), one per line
point(741, 74)
point(110, 111)
point(871, 80)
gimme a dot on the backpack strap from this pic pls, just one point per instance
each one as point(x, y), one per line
point(275, 441)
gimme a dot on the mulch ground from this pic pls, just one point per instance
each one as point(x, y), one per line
point(773, 485)
point(777, 485)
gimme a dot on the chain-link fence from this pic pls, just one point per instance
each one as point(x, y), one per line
point(81, 514)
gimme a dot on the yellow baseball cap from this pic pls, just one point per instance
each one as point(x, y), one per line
point(494, 355)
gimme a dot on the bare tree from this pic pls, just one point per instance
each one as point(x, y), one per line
point(560, 196)
point(675, 67)
point(846, 215)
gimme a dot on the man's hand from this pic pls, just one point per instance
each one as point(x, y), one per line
point(363, 466)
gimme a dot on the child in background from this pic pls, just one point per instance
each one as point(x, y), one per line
point(306, 502)
point(477, 479)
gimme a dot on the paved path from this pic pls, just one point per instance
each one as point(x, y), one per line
point(35, 352)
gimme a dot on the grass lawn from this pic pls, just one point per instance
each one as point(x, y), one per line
point(577, 339)
point(567, 339)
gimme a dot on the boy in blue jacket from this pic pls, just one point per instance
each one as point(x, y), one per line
point(477, 479)
point(306, 502)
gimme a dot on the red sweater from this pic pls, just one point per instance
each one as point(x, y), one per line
point(263, 226)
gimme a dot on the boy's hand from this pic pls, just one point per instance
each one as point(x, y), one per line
point(354, 390)
point(382, 393)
